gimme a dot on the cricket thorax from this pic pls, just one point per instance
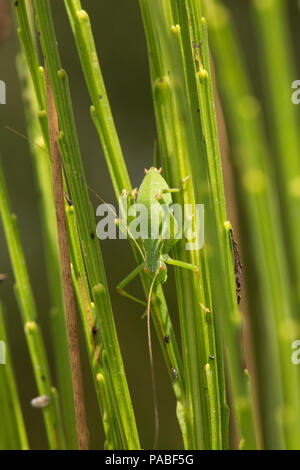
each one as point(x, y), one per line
point(152, 185)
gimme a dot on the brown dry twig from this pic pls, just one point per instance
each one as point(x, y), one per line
point(70, 306)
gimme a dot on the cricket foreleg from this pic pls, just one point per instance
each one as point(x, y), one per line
point(183, 264)
point(173, 190)
point(130, 277)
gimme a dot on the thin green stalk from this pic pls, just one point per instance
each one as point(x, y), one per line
point(102, 117)
point(29, 49)
point(92, 336)
point(39, 141)
point(76, 254)
point(48, 222)
point(29, 316)
point(178, 142)
point(85, 219)
point(83, 36)
point(267, 273)
point(200, 87)
point(278, 74)
point(13, 434)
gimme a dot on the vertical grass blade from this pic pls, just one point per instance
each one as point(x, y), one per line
point(278, 73)
point(13, 434)
point(83, 36)
point(32, 81)
point(69, 296)
point(195, 48)
point(85, 219)
point(92, 335)
point(80, 279)
point(29, 314)
point(267, 273)
point(42, 168)
point(178, 141)
point(103, 119)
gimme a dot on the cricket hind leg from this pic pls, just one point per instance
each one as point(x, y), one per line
point(130, 277)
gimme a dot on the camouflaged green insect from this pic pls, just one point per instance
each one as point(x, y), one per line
point(155, 195)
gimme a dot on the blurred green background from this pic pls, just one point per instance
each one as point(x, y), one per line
point(121, 46)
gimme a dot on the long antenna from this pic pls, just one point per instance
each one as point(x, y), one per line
point(126, 229)
point(20, 134)
point(69, 298)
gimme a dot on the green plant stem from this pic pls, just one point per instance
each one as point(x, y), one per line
point(43, 168)
point(267, 273)
point(278, 73)
point(178, 142)
point(29, 315)
point(33, 93)
point(85, 220)
point(47, 213)
point(81, 27)
point(13, 434)
point(200, 87)
point(92, 335)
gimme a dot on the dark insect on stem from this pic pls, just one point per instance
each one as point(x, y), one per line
point(211, 357)
point(174, 373)
point(238, 269)
point(94, 330)
point(68, 200)
point(92, 235)
point(167, 339)
point(197, 46)
point(197, 53)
